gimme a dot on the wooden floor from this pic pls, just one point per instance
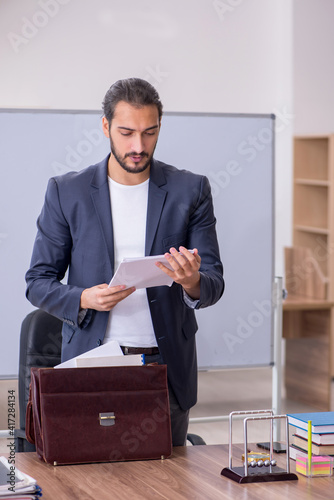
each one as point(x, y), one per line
point(219, 393)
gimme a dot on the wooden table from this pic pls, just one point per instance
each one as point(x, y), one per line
point(193, 472)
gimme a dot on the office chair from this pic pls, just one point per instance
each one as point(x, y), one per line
point(40, 345)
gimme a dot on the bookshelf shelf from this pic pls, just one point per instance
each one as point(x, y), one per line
point(308, 312)
point(311, 229)
point(312, 182)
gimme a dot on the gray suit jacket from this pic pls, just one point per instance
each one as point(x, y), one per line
point(75, 234)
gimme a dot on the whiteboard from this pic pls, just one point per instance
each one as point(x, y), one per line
point(236, 153)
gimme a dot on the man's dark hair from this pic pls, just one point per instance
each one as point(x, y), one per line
point(134, 91)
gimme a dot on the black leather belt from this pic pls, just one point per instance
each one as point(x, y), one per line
point(140, 350)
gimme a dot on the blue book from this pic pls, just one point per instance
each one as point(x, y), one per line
point(322, 422)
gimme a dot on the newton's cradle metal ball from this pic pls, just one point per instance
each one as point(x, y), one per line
point(261, 463)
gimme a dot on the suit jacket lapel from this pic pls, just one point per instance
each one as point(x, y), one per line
point(156, 200)
point(101, 200)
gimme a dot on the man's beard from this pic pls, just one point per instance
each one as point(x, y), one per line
point(121, 161)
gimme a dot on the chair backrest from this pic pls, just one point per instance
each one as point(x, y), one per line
point(40, 345)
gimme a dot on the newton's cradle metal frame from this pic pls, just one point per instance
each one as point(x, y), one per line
point(260, 471)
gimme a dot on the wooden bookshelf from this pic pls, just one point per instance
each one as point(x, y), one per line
point(308, 312)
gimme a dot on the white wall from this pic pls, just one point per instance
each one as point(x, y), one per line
point(202, 55)
point(314, 66)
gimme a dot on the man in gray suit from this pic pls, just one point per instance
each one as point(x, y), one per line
point(130, 205)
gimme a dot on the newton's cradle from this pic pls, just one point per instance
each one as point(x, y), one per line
point(255, 468)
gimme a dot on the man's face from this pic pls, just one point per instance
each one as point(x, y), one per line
point(133, 135)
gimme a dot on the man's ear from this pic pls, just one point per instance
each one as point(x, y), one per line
point(105, 127)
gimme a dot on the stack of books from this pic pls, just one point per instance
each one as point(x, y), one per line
point(15, 484)
point(322, 433)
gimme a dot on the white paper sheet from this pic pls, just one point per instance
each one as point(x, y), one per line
point(111, 348)
point(142, 272)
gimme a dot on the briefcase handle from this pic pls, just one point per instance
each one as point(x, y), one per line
point(30, 430)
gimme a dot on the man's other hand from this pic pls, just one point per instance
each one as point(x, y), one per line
point(185, 269)
point(103, 298)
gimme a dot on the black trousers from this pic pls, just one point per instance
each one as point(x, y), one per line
point(179, 417)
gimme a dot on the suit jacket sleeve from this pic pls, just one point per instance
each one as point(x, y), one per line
point(203, 236)
point(50, 259)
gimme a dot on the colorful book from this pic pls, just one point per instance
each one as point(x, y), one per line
point(316, 438)
point(326, 449)
point(322, 422)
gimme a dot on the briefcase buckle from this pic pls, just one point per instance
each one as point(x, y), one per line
point(107, 419)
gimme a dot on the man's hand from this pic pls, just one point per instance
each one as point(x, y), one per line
point(103, 298)
point(185, 272)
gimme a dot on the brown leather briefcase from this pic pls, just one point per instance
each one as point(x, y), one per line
point(84, 415)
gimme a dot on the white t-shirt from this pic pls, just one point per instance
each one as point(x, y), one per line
point(130, 320)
